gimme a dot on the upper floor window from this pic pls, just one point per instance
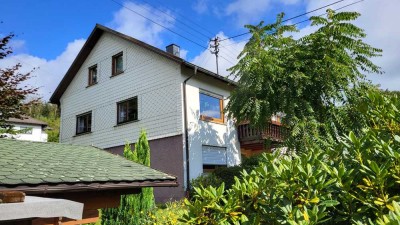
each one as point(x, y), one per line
point(127, 110)
point(117, 64)
point(211, 108)
point(92, 76)
point(84, 123)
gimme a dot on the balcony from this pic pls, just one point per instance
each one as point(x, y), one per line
point(253, 139)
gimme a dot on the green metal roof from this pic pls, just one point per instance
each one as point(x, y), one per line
point(40, 163)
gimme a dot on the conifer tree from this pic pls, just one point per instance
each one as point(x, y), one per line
point(133, 208)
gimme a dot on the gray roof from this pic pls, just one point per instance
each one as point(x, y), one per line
point(40, 166)
point(26, 120)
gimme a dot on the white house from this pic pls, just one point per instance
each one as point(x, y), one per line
point(29, 129)
point(118, 85)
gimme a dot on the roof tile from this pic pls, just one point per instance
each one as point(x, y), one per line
point(33, 163)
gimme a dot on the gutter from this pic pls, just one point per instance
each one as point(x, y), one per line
point(82, 187)
point(186, 130)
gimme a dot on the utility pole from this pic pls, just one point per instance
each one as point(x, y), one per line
point(215, 49)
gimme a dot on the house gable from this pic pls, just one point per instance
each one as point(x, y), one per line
point(97, 32)
point(150, 77)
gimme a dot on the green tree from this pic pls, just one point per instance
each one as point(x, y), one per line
point(133, 208)
point(48, 113)
point(13, 90)
point(305, 79)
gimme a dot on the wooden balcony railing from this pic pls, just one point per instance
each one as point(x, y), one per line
point(249, 136)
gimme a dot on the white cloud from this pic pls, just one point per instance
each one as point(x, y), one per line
point(183, 53)
point(130, 23)
point(382, 32)
point(290, 2)
point(252, 12)
point(201, 6)
point(248, 12)
point(47, 73)
point(17, 45)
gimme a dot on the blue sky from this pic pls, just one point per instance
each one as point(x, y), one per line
point(49, 34)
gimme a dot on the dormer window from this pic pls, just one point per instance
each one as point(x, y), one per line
point(117, 64)
point(92, 76)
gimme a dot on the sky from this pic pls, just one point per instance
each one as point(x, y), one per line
point(50, 33)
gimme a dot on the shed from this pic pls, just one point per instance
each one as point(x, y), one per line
point(82, 174)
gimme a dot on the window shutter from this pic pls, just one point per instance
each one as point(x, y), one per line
point(213, 155)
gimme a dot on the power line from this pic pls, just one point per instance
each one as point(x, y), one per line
point(186, 25)
point(323, 14)
point(175, 11)
point(172, 31)
point(239, 35)
point(338, 9)
point(227, 60)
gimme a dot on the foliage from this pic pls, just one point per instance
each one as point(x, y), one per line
point(225, 174)
point(228, 174)
point(204, 180)
point(355, 181)
point(392, 218)
point(305, 79)
point(48, 113)
point(135, 208)
point(13, 90)
point(169, 213)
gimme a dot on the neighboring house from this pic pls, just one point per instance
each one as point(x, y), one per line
point(118, 85)
point(28, 129)
point(82, 174)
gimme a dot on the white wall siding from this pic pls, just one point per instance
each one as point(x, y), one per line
point(37, 132)
point(151, 77)
point(203, 133)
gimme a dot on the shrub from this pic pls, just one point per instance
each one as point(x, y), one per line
point(169, 213)
point(204, 180)
point(227, 175)
point(355, 181)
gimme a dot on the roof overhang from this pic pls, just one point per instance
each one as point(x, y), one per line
point(84, 187)
point(209, 73)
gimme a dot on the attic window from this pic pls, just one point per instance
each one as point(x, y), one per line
point(117, 64)
point(92, 76)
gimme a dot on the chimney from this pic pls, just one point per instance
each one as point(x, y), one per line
point(173, 49)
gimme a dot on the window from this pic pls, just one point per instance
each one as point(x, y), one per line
point(213, 158)
point(92, 75)
point(127, 110)
point(211, 108)
point(117, 64)
point(84, 123)
point(25, 130)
